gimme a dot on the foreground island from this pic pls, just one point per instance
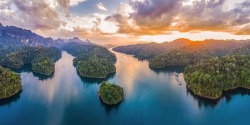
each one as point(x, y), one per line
point(212, 77)
point(110, 94)
point(10, 83)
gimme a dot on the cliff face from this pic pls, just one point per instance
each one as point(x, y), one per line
point(24, 37)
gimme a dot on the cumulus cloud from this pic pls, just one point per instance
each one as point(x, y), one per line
point(101, 6)
point(150, 17)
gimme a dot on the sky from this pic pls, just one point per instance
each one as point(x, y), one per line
point(130, 21)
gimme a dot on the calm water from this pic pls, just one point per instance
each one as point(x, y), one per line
point(152, 98)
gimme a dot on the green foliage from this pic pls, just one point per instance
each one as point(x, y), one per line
point(10, 83)
point(95, 67)
point(45, 66)
point(91, 60)
point(110, 93)
point(180, 52)
point(42, 59)
point(150, 50)
point(193, 52)
point(211, 77)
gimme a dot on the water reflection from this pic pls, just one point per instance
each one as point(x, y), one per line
point(28, 68)
point(202, 102)
point(94, 80)
point(172, 69)
point(10, 100)
point(227, 96)
point(109, 108)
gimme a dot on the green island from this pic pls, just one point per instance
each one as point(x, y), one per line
point(95, 67)
point(10, 83)
point(92, 61)
point(110, 94)
point(42, 59)
point(211, 77)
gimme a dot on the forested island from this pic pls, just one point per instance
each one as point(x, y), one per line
point(10, 83)
point(91, 61)
point(211, 77)
point(42, 59)
point(110, 94)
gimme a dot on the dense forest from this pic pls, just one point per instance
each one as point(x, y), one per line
point(41, 58)
point(211, 77)
point(110, 94)
point(10, 83)
point(194, 52)
point(150, 50)
point(91, 60)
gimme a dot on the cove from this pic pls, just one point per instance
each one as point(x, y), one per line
point(152, 97)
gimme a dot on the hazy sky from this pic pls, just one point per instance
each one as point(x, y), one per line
point(121, 21)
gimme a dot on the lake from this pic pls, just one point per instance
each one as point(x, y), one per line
point(152, 97)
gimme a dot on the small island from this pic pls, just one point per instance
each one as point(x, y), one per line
point(10, 83)
point(212, 77)
point(110, 94)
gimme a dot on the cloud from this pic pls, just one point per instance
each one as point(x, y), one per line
point(152, 17)
point(135, 18)
point(76, 2)
point(52, 18)
point(36, 14)
point(101, 6)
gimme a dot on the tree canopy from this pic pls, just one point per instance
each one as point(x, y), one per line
point(10, 83)
point(42, 59)
point(211, 77)
point(91, 60)
point(110, 94)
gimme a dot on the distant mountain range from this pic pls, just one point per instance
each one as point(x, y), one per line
point(14, 36)
point(151, 50)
